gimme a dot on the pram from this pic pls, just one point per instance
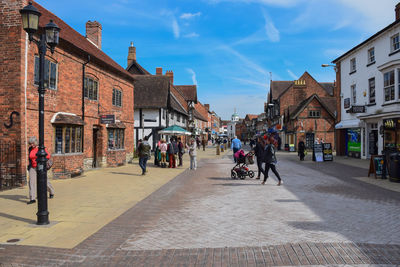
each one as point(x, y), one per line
point(241, 169)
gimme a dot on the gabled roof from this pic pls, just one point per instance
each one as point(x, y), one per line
point(278, 87)
point(188, 91)
point(137, 69)
point(305, 103)
point(366, 41)
point(329, 87)
point(72, 40)
point(198, 115)
point(179, 97)
point(251, 116)
point(176, 105)
point(151, 91)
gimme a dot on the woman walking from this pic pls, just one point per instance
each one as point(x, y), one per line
point(259, 152)
point(270, 160)
point(33, 150)
point(301, 148)
point(192, 154)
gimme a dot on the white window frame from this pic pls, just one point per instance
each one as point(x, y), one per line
point(353, 65)
point(389, 86)
point(370, 99)
point(395, 42)
point(353, 90)
point(371, 55)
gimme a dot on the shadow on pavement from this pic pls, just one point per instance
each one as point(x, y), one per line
point(220, 178)
point(17, 218)
point(15, 197)
point(125, 173)
point(233, 184)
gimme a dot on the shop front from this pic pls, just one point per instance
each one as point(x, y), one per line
point(353, 142)
point(391, 137)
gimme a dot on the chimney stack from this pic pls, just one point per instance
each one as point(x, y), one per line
point(158, 71)
point(131, 54)
point(397, 9)
point(93, 33)
point(170, 74)
point(207, 106)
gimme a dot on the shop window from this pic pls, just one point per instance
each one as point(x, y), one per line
point(371, 85)
point(91, 88)
point(50, 74)
point(388, 85)
point(116, 138)
point(117, 98)
point(68, 139)
point(314, 113)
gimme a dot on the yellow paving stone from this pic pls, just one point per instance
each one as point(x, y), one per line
point(83, 205)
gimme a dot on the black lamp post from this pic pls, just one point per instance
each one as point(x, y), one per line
point(30, 21)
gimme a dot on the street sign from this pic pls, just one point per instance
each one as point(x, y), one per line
point(107, 119)
point(356, 109)
point(346, 102)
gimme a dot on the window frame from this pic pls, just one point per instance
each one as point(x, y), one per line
point(89, 92)
point(117, 97)
point(371, 58)
point(372, 98)
point(75, 139)
point(314, 113)
point(353, 65)
point(394, 44)
point(48, 73)
point(389, 86)
point(118, 139)
point(353, 91)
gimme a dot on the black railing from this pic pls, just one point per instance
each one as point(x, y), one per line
point(10, 173)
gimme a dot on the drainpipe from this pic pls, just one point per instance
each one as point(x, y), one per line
point(83, 101)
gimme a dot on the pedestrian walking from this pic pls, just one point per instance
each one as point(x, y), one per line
point(192, 154)
point(144, 151)
point(198, 142)
point(181, 151)
point(270, 160)
point(163, 151)
point(236, 145)
point(32, 151)
point(203, 143)
point(259, 152)
point(301, 147)
point(171, 153)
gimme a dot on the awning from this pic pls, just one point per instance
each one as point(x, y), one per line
point(174, 130)
point(119, 125)
point(65, 118)
point(348, 124)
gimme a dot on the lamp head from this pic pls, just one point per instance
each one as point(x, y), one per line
point(30, 19)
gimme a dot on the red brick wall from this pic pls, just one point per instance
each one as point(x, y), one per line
point(67, 166)
point(115, 158)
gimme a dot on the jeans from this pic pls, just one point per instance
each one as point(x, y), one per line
point(142, 163)
point(193, 163)
point(259, 166)
point(234, 151)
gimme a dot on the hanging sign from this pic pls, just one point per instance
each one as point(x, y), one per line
point(107, 119)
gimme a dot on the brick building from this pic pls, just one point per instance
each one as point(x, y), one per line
point(82, 84)
point(303, 108)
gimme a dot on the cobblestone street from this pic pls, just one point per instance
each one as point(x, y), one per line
point(320, 216)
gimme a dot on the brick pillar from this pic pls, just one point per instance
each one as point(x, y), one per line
point(93, 32)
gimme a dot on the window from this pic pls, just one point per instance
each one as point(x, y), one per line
point(163, 114)
point(91, 88)
point(50, 74)
point(353, 94)
point(395, 45)
point(371, 55)
point(171, 115)
point(314, 113)
point(117, 98)
point(68, 139)
point(184, 119)
point(352, 65)
point(371, 85)
point(178, 118)
point(116, 138)
point(388, 85)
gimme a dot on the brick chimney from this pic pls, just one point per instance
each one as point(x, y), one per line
point(158, 71)
point(170, 74)
point(207, 106)
point(93, 33)
point(131, 54)
point(397, 9)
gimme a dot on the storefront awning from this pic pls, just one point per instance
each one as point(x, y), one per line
point(348, 124)
point(119, 125)
point(66, 118)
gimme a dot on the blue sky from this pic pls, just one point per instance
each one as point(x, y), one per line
point(229, 47)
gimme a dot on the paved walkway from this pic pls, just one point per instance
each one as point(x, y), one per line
point(320, 216)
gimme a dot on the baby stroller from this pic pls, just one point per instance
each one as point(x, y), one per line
point(241, 169)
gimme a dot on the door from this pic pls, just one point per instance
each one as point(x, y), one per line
point(95, 163)
point(373, 142)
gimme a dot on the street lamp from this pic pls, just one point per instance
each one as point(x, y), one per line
point(329, 65)
point(30, 22)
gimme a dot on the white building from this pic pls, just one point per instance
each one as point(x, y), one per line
point(231, 127)
point(369, 80)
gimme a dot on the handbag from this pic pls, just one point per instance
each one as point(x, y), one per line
point(49, 164)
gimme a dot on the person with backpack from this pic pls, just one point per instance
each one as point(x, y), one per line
point(32, 151)
point(144, 151)
point(270, 160)
point(171, 153)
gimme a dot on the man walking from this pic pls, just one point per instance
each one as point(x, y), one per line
point(181, 150)
point(144, 150)
point(236, 145)
point(259, 152)
point(171, 153)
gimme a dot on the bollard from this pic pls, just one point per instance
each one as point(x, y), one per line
point(222, 148)
point(218, 150)
point(225, 146)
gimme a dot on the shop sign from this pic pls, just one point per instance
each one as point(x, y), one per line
point(107, 119)
point(328, 152)
point(318, 154)
point(291, 148)
point(389, 124)
point(356, 109)
point(346, 102)
point(354, 140)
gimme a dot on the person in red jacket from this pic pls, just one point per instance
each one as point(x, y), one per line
point(33, 149)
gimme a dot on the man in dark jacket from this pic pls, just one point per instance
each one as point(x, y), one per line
point(172, 150)
point(181, 150)
point(301, 148)
point(144, 151)
point(259, 152)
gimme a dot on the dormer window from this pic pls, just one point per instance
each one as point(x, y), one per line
point(395, 43)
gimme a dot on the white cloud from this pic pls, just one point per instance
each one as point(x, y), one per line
point(190, 15)
point(252, 82)
point(294, 76)
point(175, 28)
point(270, 29)
point(191, 71)
point(191, 35)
